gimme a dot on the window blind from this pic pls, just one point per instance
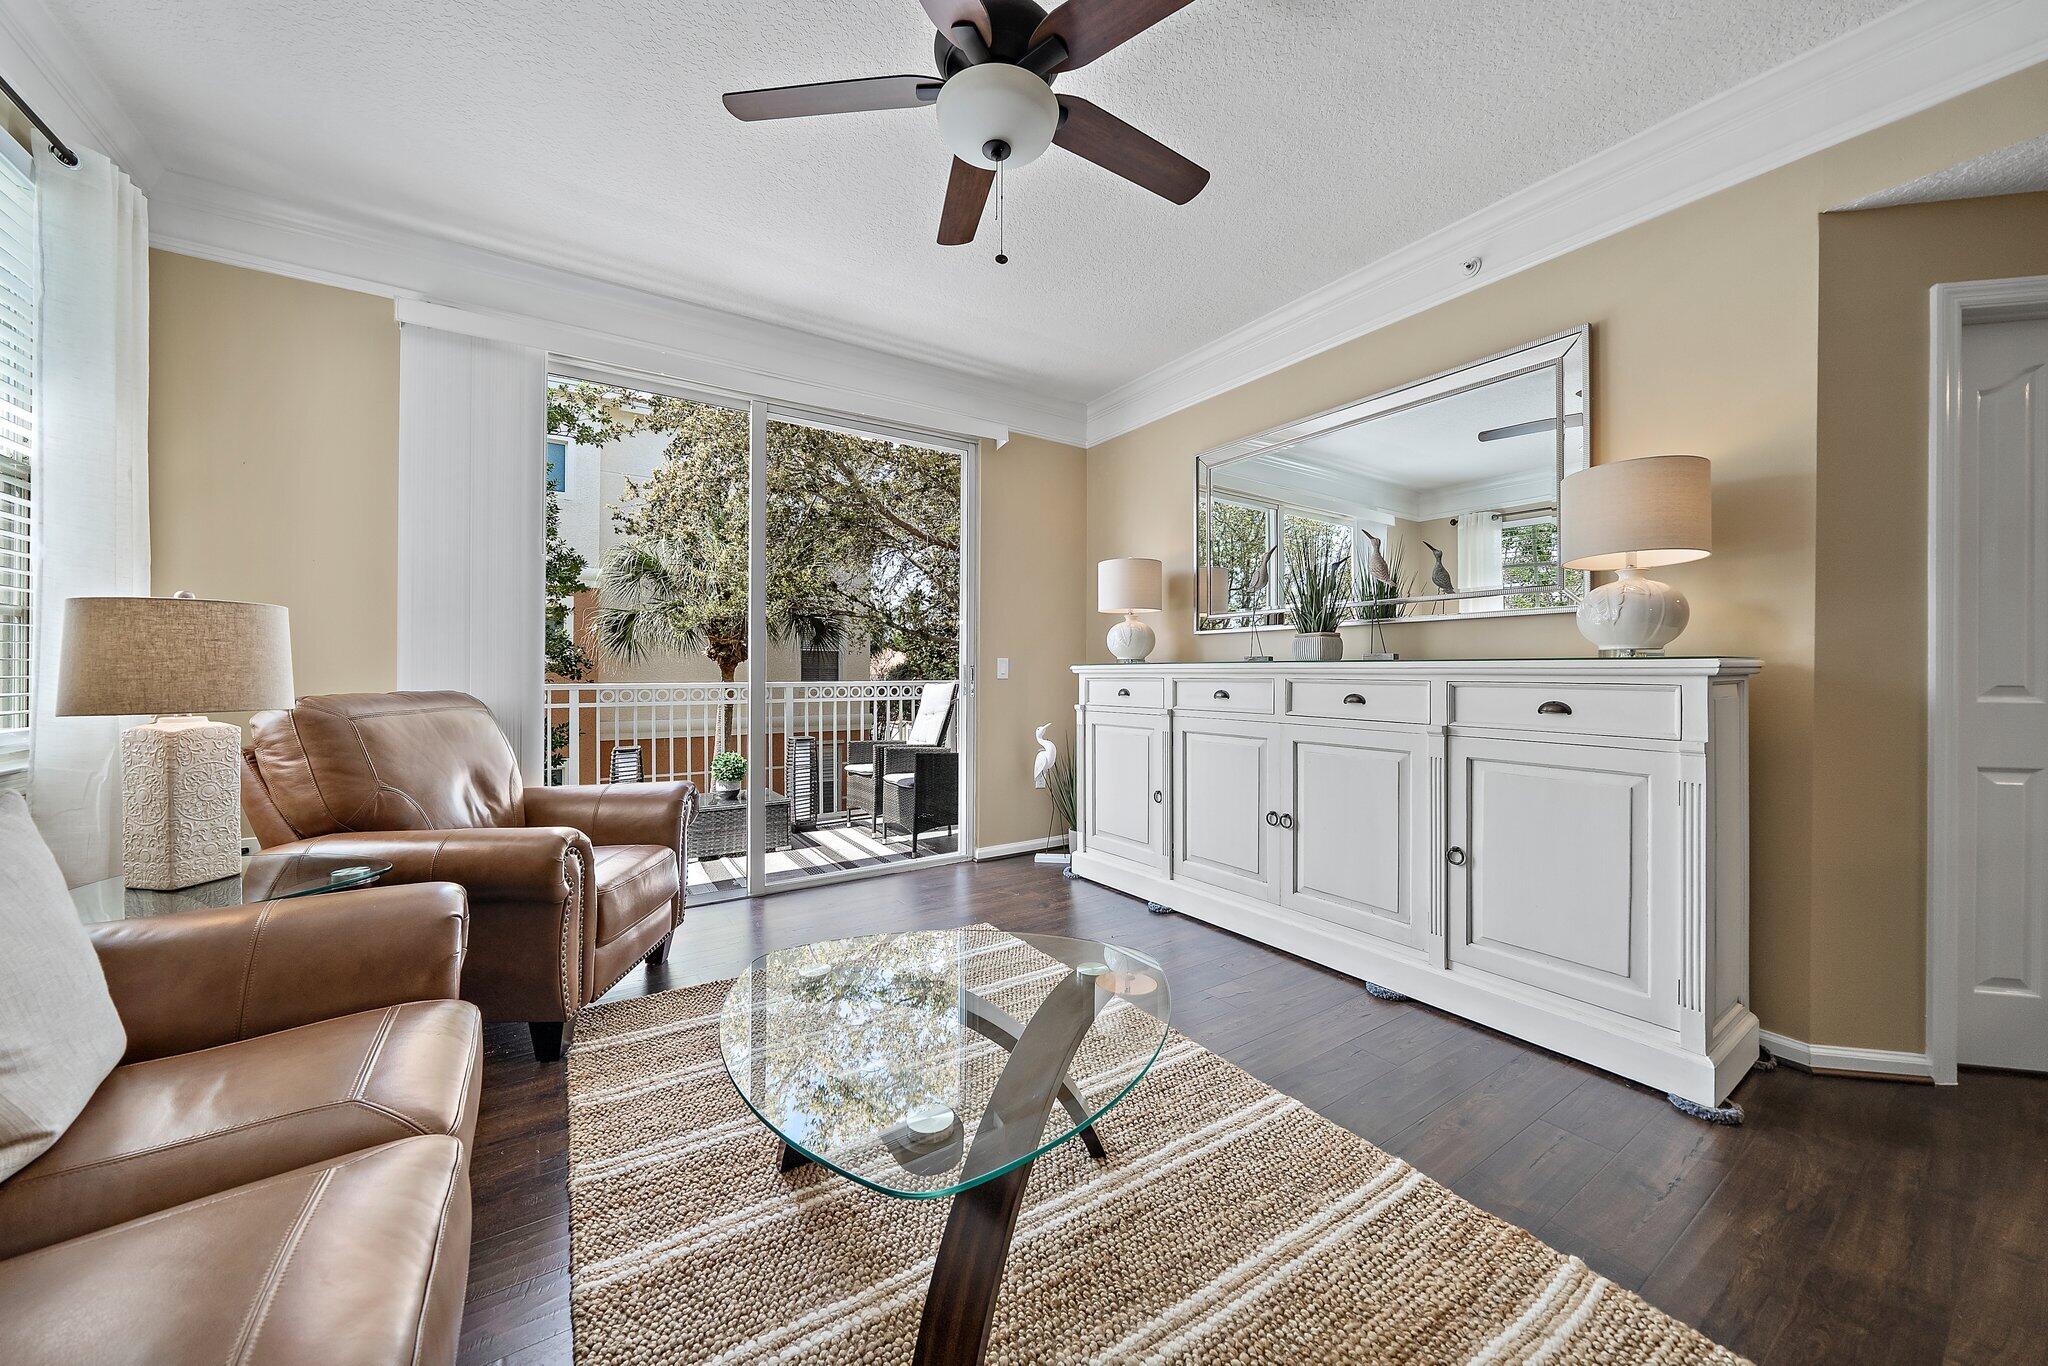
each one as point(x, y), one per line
point(18, 275)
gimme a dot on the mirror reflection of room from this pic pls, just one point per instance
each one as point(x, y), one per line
point(1443, 506)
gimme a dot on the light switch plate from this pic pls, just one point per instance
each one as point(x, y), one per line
point(1002, 667)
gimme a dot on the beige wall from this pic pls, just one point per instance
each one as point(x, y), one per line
point(1870, 696)
point(273, 458)
point(1705, 340)
point(1033, 569)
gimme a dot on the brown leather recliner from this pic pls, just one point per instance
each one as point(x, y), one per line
point(278, 1171)
point(569, 887)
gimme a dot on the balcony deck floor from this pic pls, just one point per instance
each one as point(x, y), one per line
point(837, 846)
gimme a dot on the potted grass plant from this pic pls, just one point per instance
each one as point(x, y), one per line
point(1317, 589)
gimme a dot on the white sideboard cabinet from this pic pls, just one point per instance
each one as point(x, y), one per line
point(1557, 849)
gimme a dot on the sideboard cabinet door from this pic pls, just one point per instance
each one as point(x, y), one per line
point(1563, 861)
point(1358, 830)
point(1123, 771)
point(1226, 806)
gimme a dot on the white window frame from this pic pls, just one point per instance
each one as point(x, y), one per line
point(20, 417)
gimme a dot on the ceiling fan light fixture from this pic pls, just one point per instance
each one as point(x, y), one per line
point(988, 108)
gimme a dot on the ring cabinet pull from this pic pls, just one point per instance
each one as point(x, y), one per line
point(1157, 796)
point(1286, 822)
point(1554, 709)
point(1222, 695)
point(1352, 699)
point(1456, 857)
point(1123, 692)
point(1272, 818)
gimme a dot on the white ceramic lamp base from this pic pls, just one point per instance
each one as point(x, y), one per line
point(181, 818)
point(1633, 616)
point(1130, 640)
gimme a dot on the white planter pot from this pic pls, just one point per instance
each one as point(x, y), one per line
point(1323, 645)
point(721, 788)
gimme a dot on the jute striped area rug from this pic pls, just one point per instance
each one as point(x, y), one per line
point(1229, 1224)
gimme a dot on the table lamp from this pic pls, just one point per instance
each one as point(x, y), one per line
point(1130, 587)
point(174, 658)
point(1628, 516)
point(1212, 590)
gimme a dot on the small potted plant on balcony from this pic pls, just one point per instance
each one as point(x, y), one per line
point(1317, 588)
point(728, 772)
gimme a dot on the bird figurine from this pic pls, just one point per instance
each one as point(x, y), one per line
point(1377, 571)
point(1048, 755)
point(1256, 593)
point(1439, 576)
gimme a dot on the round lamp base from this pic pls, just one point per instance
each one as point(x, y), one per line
point(1130, 640)
point(1633, 616)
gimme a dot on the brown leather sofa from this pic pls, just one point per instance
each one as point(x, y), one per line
point(569, 887)
point(278, 1171)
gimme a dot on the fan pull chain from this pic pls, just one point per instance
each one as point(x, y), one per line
point(1002, 255)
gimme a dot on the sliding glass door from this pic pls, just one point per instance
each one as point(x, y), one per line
point(771, 604)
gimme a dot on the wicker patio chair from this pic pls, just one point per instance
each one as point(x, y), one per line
point(931, 729)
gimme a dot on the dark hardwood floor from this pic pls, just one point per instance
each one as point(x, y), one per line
point(1847, 1221)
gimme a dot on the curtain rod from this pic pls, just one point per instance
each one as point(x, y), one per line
point(63, 153)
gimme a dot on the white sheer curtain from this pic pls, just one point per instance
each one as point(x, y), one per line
point(91, 486)
point(472, 432)
point(1479, 558)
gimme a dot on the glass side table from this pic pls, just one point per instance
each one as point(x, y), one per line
point(264, 877)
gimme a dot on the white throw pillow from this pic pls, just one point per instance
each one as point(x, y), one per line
point(59, 1032)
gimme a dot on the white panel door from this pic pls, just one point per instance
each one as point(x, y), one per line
point(1357, 830)
point(1563, 854)
point(1226, 828)
point(2002, 683)
point(1124, 787)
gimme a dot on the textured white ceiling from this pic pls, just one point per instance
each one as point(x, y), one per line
point(2019, 169)
point(589, 134)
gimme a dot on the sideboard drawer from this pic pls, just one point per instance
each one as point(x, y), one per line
point(1146, 693)
point(1359, 701)
point(1249, 695)
point(1648, 711)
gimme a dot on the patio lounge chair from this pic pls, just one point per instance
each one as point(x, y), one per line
point(913, 783)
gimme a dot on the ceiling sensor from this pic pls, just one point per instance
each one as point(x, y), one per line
point(997, 61)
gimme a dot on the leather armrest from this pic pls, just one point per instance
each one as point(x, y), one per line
point(618, 813)
point(525, 863)
point(201, 978)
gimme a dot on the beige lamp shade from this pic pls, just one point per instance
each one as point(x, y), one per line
point(1654, 510)
point(172, 656)
point(1130, 586)
point(1212, 587)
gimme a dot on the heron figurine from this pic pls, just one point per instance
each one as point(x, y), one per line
point(1377, 571)
point(1256, 592)
point(1048, 755)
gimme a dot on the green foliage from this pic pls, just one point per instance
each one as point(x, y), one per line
point(729, 767)
point(1237, 544)
point(1317, 586)
point(863, 535)
point(565, 566)
point(1066, 805)
point(1528, 552)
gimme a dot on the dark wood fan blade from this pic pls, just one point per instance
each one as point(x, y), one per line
point(946, 13)
point(966, 197)
point(833, 97)
point(1090, 28)
point(1089, 131)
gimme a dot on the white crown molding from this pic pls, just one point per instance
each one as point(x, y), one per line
point(703, 344)
point(1912, 59)
point(53, 76)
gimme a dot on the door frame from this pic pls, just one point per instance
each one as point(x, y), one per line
point(1951, 308)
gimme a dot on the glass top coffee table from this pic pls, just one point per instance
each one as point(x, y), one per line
point(942, 1063)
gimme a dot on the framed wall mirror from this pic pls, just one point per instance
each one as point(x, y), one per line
point(1441, 495)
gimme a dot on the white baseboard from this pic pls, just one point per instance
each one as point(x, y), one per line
point(1825, 1057)
point(989, 851)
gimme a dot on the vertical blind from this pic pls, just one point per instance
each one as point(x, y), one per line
point(18, 277)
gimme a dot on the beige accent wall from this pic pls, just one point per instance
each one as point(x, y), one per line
point(1705, 340)
point(1034, 567)
point(1870, 694)
point(273, 458)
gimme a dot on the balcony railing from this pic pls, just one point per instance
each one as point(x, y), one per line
point(601, 731)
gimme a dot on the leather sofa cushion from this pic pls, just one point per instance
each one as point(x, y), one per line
point(633, 882)
point(173, 1129)
point(356, 1261)
point(59, 1033)
point(387, 761)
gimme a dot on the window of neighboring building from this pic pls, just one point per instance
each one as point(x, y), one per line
point(17, 454)
point(558, 467)
point(821, 666)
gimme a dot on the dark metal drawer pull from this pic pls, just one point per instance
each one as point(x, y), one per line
point(1352, 699)
point(1456, 857)
point(1272, 818)
point(1158, 797)
point(1554, 709)
point(1287, 822)
point(1123, 692)
point(1221, 695)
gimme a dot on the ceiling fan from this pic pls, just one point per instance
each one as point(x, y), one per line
point(997, 61)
